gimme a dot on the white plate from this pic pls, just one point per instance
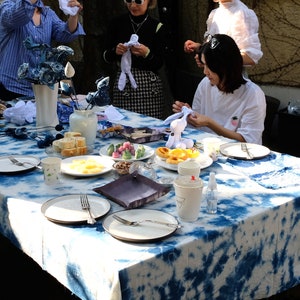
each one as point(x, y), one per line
point(204, 160)
point(67, 165)
point(148, 153)
point(234, 150)
point(143, 232)
point(7, 167)
point(67, 209)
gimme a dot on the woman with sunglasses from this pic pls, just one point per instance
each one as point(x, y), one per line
point(235, 19)
point(147, 57)
point(225, 103)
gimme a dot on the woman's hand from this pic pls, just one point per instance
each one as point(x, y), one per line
point(73, 3)
point(177, 106)
point(140, 50)
point(191, 46)
point(121, 49)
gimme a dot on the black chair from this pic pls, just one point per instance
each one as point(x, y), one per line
point(269, 135)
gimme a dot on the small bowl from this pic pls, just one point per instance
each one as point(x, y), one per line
point(122, 167)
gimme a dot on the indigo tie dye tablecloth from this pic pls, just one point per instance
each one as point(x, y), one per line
point(250, 249)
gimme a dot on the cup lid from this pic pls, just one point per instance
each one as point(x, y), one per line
point(189, 181)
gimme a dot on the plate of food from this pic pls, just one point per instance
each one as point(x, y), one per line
point(126, 151)
point(67, 209)
point(86, 165)
point(204, 160)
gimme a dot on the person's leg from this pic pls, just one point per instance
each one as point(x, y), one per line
point(6, 95)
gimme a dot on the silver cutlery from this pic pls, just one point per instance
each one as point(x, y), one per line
point(86, 206)
point(135, 223)
point(246, 150)
point(23, 164)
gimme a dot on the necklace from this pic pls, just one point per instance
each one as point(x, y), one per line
point(137, 26)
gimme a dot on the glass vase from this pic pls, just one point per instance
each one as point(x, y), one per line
point(46, 105)
point(85, 122)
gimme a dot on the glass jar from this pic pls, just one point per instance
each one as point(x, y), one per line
point(85, 122)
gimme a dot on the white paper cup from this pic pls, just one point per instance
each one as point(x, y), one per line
point(189, 167)
point(51, 168)
point(211, 146)
point(188, 194)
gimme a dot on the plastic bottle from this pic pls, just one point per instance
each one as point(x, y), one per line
point(211, 194)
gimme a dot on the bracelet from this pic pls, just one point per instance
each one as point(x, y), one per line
point(148, 51)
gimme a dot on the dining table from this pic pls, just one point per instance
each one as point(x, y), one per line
point(248, 249)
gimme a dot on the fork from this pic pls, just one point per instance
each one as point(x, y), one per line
point(19, 163)
point(245, 149)
point(135, 223)
point(86, 206)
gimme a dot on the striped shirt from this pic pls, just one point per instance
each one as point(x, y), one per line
point(15, 26)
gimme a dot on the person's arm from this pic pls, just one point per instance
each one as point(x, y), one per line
point(198, 120)
point(73, 20)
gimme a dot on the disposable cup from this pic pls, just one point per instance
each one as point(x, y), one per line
point(189, 167)
point(188, 194)
point(51, 168)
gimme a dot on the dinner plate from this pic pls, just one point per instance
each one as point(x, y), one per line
point(204, 160)
point(67, 209)
point(7, 167)
point(144, 232)
point(234, 150)
point(86, 165)
point(148, 153)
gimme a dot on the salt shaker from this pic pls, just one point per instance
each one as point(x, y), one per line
point(211, 194)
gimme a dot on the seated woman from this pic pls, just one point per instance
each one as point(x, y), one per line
point(225, 103)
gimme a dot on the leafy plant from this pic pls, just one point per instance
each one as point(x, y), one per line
point(50, 69)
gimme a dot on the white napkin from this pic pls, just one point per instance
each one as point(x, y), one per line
point(126, 64)
point(63, 5)
point(185, 111)
point(112, 114)
point(22, 113)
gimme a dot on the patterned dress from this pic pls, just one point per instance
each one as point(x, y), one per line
point(147, 98)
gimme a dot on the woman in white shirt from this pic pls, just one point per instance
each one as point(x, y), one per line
point(225, 103)
point(235, 19)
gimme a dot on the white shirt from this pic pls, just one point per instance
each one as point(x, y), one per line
point(243, 111)
point(239, 22)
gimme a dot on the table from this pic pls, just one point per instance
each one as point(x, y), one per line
point(248, 250)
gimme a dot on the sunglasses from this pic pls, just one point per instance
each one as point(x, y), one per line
point(213, 42)
point(138, 2)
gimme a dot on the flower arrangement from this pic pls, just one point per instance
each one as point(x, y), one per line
point(50, 69)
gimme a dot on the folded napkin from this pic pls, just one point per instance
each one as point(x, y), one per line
point(274, 171)
point(63, 5)
point(126, 64)
point(22, 113)
point(113, 114)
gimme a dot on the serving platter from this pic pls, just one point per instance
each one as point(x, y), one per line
point(148, 153)
point(86, 165)
point(7, 167)
point(144, 232)
point(204, 160)
point(67, 209)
